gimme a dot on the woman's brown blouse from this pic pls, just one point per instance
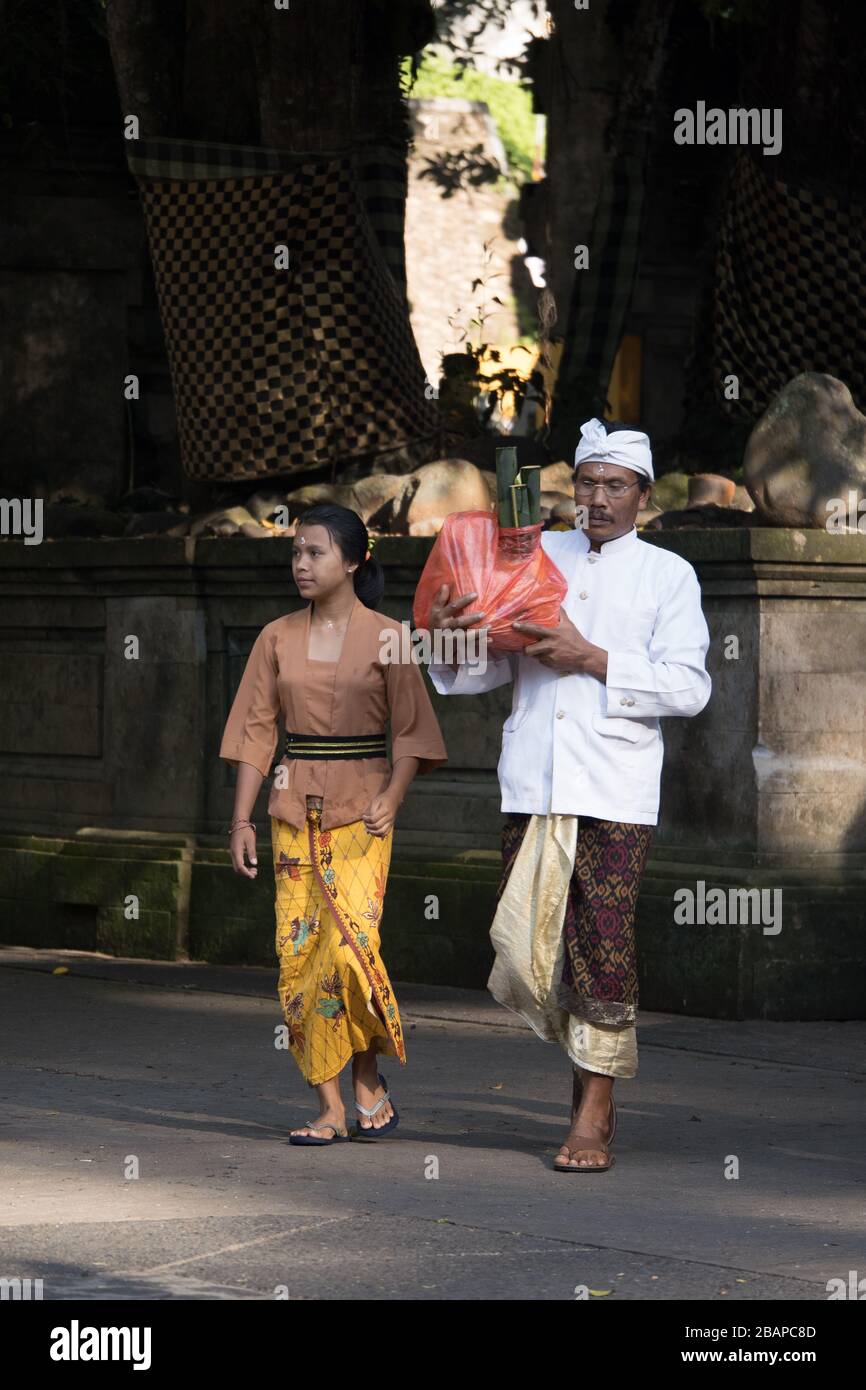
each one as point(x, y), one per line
point(356, 695)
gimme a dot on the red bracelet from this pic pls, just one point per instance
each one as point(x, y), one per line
point(240, 825)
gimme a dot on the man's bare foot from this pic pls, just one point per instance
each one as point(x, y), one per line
point(590, 1119)
point(331, 1116)
point(576, 1094)
point(368, 1090)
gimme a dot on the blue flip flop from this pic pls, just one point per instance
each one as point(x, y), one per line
point(307, 1141)
point(372, 1132)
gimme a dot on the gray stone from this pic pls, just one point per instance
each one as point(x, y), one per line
point(62, 519)
point(710, 489)
point(265, 506)
point(558, 507)
point(449, 485)
point(157, 524)
point(227, 521)
point(373, 493)
point(697, 517)
point(671, 491)
point(807, 451)
point(557, 477)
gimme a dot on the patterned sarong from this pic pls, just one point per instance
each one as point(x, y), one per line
point(564, 934)
point(334, 991)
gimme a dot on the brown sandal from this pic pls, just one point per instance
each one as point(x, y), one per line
point(587, 1144)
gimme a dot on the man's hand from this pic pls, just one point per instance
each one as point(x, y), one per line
point(564, 650)
point(447, 615)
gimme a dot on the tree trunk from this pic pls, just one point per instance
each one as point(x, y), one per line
point(582, 75)
point(220, 101)
point(600, 295)
point(146, 38)
point(306, 64)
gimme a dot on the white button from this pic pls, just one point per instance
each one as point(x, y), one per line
point(623, 701)
point(592, 559)
point(560, 714)
point(630, 702)
point(584, 594)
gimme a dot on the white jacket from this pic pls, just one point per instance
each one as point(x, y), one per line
point(572, 746)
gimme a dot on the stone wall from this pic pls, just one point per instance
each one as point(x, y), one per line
point(112, 784)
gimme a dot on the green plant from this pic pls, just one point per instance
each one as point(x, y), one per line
point(509, 103)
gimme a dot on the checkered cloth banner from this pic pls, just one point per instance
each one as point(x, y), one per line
point(789, 288)
point(276, 370)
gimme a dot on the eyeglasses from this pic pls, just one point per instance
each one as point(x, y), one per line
point(615, 488)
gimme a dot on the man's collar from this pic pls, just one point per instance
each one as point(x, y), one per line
point(609, 547)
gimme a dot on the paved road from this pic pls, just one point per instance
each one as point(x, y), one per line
point(175, 1066)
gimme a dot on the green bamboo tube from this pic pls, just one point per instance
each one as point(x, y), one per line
point(506, 473)
point(530, 475)
point(519, 505)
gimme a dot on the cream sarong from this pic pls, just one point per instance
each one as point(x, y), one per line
point(527, 934)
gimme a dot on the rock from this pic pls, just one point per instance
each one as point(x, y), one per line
point(157, 524)
point(225, 522)
point(449, 485)
point(698, 518)
point(147, 499)
point(266, 506)
point(807, 450)
point(557, 477)
point(373, 493)
point(742, 500)
point(62, 519)
point(300, 499)
point(671, 491)
point(710, 489)
point(556, 504)
point(72, 495)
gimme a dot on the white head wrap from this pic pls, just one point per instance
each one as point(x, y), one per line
point(629, 448)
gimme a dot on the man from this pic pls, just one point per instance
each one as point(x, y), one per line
point(580, 772)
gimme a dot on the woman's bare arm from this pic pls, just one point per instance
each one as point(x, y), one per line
point(242, 842)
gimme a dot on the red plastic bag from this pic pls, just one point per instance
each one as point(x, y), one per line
point(507, 568)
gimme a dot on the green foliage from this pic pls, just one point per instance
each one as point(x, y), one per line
point(510, 105)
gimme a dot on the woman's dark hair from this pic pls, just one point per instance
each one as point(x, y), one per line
point(349, 534)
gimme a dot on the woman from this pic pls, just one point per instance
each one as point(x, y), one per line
point(332, 807)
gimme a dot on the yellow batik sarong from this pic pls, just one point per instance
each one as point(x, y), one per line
point(334, 991)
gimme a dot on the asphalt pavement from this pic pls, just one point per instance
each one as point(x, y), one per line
point(143, 1152)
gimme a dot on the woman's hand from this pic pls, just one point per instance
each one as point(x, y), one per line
point(242, 845)
point(380, 815)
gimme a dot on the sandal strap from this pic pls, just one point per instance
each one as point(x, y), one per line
point(585, 1144)
point(318, 1128)
point(374, 1109)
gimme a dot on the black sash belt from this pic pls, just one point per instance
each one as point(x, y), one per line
point(334, 746)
